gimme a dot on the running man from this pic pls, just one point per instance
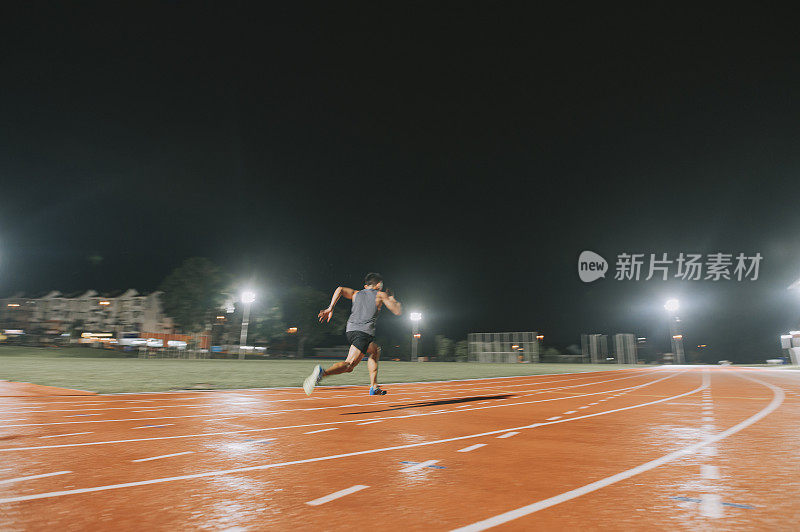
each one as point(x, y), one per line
point(360, 331)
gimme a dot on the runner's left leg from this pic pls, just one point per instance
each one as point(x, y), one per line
point(372, 363)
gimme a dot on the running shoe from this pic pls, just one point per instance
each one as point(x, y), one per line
point(376, 390)
point(312, 380)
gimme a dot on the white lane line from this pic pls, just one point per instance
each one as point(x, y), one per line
point(710, 472)
point(471, 448)
point(31, 477)
point(570, 412)
point(777, 400)
point(711, 505)
point(70, 434)
point(370, 422)
point(162, 456)
point(153, 410)
point(221, 433)
point(592, 404)
point(155, 426)
point(708, 418)
point(418, 466)
point(82, 415)
point(582, 407)
point(708, 426)
point(710, 450)
point(321, 430)
point(553, 418)
point(294, 410)
point(508, 434)
point(336, 495)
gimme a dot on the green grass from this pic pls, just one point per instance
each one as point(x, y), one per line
point(84, 369)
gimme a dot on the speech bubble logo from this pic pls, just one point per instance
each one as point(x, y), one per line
point(591, 266)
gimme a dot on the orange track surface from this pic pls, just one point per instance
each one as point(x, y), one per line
point(26, 389)
point(645, 449)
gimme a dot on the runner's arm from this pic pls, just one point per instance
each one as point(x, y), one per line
point(340, 291)
point(391, 303)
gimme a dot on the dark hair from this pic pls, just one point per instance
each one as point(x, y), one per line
point(372, 279)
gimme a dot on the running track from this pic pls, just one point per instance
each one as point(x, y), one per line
point(658, 448)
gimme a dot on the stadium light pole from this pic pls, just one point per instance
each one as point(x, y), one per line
point(247, 299)
point(415, 318)
point(672, 306)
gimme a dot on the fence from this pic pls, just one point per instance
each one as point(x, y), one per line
point(503, 347)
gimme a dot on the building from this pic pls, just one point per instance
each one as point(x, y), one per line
point(625, 348)
point(594, 347)
point(124, 312)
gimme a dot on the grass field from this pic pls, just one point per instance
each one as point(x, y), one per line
point(107, 372)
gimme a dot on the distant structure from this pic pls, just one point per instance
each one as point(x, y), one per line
point(503, 347)
point(118, 314)
point(790, 344)
point(625, 347)
point(594, 347)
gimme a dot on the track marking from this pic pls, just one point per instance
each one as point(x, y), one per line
point(707, 418)
point(337, 456)
point(570, 412)
point(582, 407)
point(371, 422)
point(553, 418)
point(508, 434)
point(336, 495)
point(710, 472)
point(162, 456)
point(711, 505)
point(417, 467)
point(321, 430)
point(62, 435)
point(471, 448)
point(31, 477)
point(107, 442)
point(710, 450)
point(777, 400)
point(155, 426)
point(295, 410)
point(708, 426)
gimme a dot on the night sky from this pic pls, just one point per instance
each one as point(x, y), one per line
point(467, 154)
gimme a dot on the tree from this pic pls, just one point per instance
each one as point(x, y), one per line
point(462, 351)
point(300, 307)
point(193, 292)
point(444, 348)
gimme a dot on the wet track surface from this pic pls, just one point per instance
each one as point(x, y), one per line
point(645, 449)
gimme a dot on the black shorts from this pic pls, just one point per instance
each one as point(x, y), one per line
point(359, 339)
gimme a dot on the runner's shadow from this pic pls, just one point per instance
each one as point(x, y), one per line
point(433, 403)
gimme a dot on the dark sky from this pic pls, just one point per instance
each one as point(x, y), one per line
point(468, 154)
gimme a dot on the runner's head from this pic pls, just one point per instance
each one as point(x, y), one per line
point(373, 280)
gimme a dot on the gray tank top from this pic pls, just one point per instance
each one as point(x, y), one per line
point(364, 312)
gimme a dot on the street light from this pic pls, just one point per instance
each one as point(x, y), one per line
point(247, 299)
point(415, 318)
point(672, 306)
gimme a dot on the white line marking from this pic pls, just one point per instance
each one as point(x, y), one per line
point(418, 466)
point(710, 472)
point(708, 418)
point(710, 450)
point(336, 495)
point(321, 430)
point(31, 477)
point(262, 467)
point(570, 412)
point(155, 426)
point(153, 410)
point(777, 400)
point(592, 404)
point(220, 433)
point(82, 415)
point(162, 456)
point(370, 422)
point(70, 434)
point(553, 418)
point(708, 426)
point(582, 407)
point(471, 448)
point(711, 505)
point(508, 434)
